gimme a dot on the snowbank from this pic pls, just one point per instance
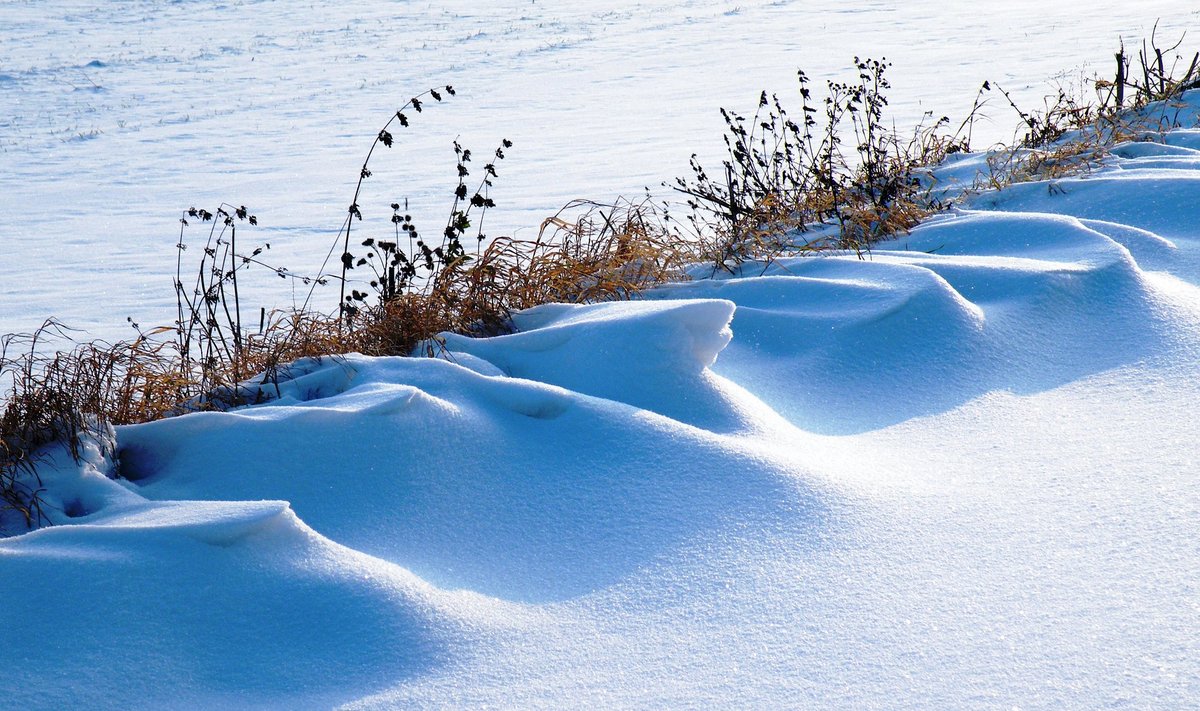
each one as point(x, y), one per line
point(959, 473)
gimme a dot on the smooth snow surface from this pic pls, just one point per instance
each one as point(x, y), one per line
point(961, 473)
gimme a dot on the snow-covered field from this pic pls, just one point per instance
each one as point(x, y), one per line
point(960, 474)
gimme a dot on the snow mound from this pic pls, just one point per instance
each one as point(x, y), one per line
point(516, 489)
point(603, 350)
point(207, 604)
point(974, 301)
point(69, 488)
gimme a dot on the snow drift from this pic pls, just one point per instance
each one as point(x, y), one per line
point(958, 473)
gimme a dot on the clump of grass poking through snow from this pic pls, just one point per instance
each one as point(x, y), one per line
point(58, 397)
point(784, 176)
point(1073, 133)
point(588, 252)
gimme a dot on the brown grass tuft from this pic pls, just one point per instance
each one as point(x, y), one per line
point(1073, 134)
point(588, 252)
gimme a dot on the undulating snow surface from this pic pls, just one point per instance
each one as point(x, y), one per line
point(961, 473)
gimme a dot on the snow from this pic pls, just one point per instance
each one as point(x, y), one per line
point(959, 473)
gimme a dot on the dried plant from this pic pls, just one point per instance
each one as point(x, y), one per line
point(1072, 134)
point(588, 252)
point(784, 177)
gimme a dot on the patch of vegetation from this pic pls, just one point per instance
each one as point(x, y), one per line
point(1074, 131)
point(784, 177)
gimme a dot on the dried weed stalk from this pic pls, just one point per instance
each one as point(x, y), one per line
point(1072, 134)
point(784, 177)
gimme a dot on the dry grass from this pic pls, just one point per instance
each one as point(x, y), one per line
point(1073, 134)
point(838, 166)
point(588, 252)
point(50, 399)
